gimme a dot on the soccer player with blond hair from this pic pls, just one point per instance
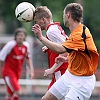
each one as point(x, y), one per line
point(54, 33)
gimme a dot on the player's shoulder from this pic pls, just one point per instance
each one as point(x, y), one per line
point(25, 43)
point(12, 42)
point(9, 45)
point(54, 26)
point(53, 29)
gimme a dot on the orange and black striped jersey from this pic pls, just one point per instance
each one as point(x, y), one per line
point(80, 63)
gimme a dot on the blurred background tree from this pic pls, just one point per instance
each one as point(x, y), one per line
point(92, 18)
point(8, 21)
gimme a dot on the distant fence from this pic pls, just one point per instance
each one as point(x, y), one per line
point(40, 82)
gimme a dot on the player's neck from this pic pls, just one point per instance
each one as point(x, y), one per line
point(48, 24)
point(73, 26)
point(19, 43)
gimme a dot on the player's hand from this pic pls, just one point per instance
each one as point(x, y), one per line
point(37, 31)
point(61, 59)
point(31, 75)
point(48, 72)
point(44, 49)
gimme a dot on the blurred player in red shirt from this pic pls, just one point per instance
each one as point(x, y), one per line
point(54, 32)
point(13, 54)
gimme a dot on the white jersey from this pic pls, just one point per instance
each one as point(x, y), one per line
point(54, 33)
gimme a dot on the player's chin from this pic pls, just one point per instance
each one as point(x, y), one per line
point(20, 41)
point(66, 24)
point(42, 28)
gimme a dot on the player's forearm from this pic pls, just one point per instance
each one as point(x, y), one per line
point(30, 65)
point(64, 54)
point(52, 69)
point(56, 66)
point(53, 46)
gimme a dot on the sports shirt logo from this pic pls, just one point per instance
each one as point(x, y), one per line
point(21, 13)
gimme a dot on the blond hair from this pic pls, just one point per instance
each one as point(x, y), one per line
point(43, 11)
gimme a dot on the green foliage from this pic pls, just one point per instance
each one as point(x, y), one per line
point(92, 18)
point(7, 12)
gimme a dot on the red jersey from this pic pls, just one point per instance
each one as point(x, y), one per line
point(55, 34)
point(13, 57)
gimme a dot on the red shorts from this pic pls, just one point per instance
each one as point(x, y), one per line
point(12, 84)
point(56, 76)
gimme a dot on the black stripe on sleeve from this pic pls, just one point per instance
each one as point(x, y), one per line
point(68, 50)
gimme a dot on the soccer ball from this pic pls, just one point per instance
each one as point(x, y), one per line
point(24, 12)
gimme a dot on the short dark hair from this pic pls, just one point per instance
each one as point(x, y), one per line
point(76, 11)
point(20, 30)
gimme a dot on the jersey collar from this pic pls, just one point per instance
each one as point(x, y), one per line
point(54, 23)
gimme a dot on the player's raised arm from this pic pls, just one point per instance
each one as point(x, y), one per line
point(51, 45)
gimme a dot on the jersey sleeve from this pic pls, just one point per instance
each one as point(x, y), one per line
point(6, 50)
point(55, 35)
point(28, 53)
point(75, 42)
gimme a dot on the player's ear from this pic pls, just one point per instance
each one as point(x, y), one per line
point(44, 19)
point(68, 14)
